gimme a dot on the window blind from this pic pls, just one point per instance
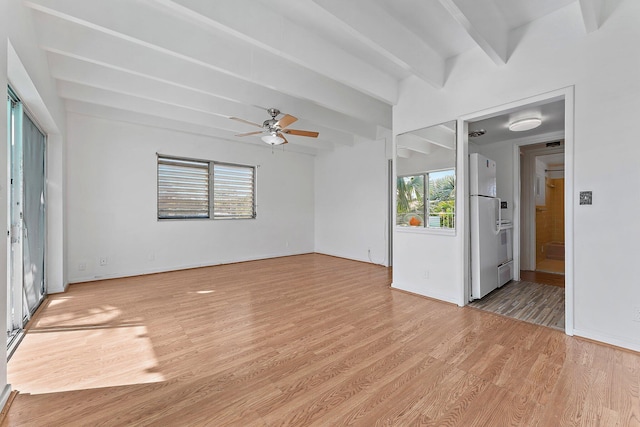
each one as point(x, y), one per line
point(183, 188)
point(233, 191)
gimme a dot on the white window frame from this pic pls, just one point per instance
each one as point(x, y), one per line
point(426, 176)
point(212, 213)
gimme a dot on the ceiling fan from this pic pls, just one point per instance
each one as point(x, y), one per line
point(276, 128)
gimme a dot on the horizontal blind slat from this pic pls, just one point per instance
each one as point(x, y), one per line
point(183, 188)
point(233, 191)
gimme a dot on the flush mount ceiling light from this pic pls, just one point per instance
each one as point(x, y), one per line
point(273, 139)
point(525, 124)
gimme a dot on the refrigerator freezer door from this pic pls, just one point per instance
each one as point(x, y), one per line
point(482, 174)
point(484, 246)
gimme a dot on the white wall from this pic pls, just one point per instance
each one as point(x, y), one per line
point(351, 202)
point(423, 263)
point(24, 66)
point(111, 203)
point(28, 75)
point(553, 55)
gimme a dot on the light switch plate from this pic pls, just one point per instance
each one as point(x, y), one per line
point(586, 198)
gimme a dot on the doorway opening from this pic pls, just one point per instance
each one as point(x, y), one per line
point(533, 189)
point(542, 202)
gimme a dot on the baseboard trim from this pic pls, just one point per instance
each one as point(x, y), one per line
point(175, 268)
point(607, 339)
point(366, 261)
point(428, 294)
point(422, 296)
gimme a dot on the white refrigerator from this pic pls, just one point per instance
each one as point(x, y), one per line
point(490, 236)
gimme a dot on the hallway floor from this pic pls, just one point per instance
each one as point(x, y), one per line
point(528, 301)
point(553, 279)
point(551, 266)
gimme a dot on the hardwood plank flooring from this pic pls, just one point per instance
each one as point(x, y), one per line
point(532, 302)
point(308, 340)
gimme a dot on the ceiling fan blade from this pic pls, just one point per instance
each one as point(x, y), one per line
point(301, 133)
point(285, 139)
point(286, 121)
point(245, 121)
point(249, 133)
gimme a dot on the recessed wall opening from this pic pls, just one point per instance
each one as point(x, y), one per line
point(531, 186)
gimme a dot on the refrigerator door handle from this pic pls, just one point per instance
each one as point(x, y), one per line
point(499, 222)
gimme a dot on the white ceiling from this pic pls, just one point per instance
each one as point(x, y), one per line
point(497, 128)
point(189, 65)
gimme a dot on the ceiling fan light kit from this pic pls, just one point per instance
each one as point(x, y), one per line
point(273, 139)
point(276, 128)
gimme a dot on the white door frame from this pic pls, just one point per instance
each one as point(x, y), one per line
point(527, 197)
point(566, 94)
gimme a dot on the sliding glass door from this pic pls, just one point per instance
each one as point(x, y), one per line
point(26, 288)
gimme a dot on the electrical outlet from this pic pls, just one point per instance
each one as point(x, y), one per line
point(103, 261)
point(426, 274)
point(636, 313)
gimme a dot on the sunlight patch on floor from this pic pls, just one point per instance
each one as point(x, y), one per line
point(91, 358)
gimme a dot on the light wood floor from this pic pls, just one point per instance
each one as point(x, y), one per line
point(307, 340)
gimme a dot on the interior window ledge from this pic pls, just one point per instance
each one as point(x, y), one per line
point(423, 230)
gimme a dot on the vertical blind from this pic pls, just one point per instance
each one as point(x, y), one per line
point(183, 188)
point(233, 191)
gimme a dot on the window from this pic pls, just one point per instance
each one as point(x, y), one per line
point(233, 191)
point(189, 189)
point(430, 206)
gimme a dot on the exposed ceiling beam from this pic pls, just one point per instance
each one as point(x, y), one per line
point(115, 53)
point(409, 141)
point(441, 135)
point(223, 127)
point(209, 48)
point(484, 24)
point(591, 14)
point(93, 75)
point(136, 118)
point(381, 32)
point(254, 23)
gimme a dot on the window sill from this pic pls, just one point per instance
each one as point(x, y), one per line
point(423, 230)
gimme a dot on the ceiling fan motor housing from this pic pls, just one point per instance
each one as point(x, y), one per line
point(269, 124)
point(273, 112)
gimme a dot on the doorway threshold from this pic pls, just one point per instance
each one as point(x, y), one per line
point(528, 301)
